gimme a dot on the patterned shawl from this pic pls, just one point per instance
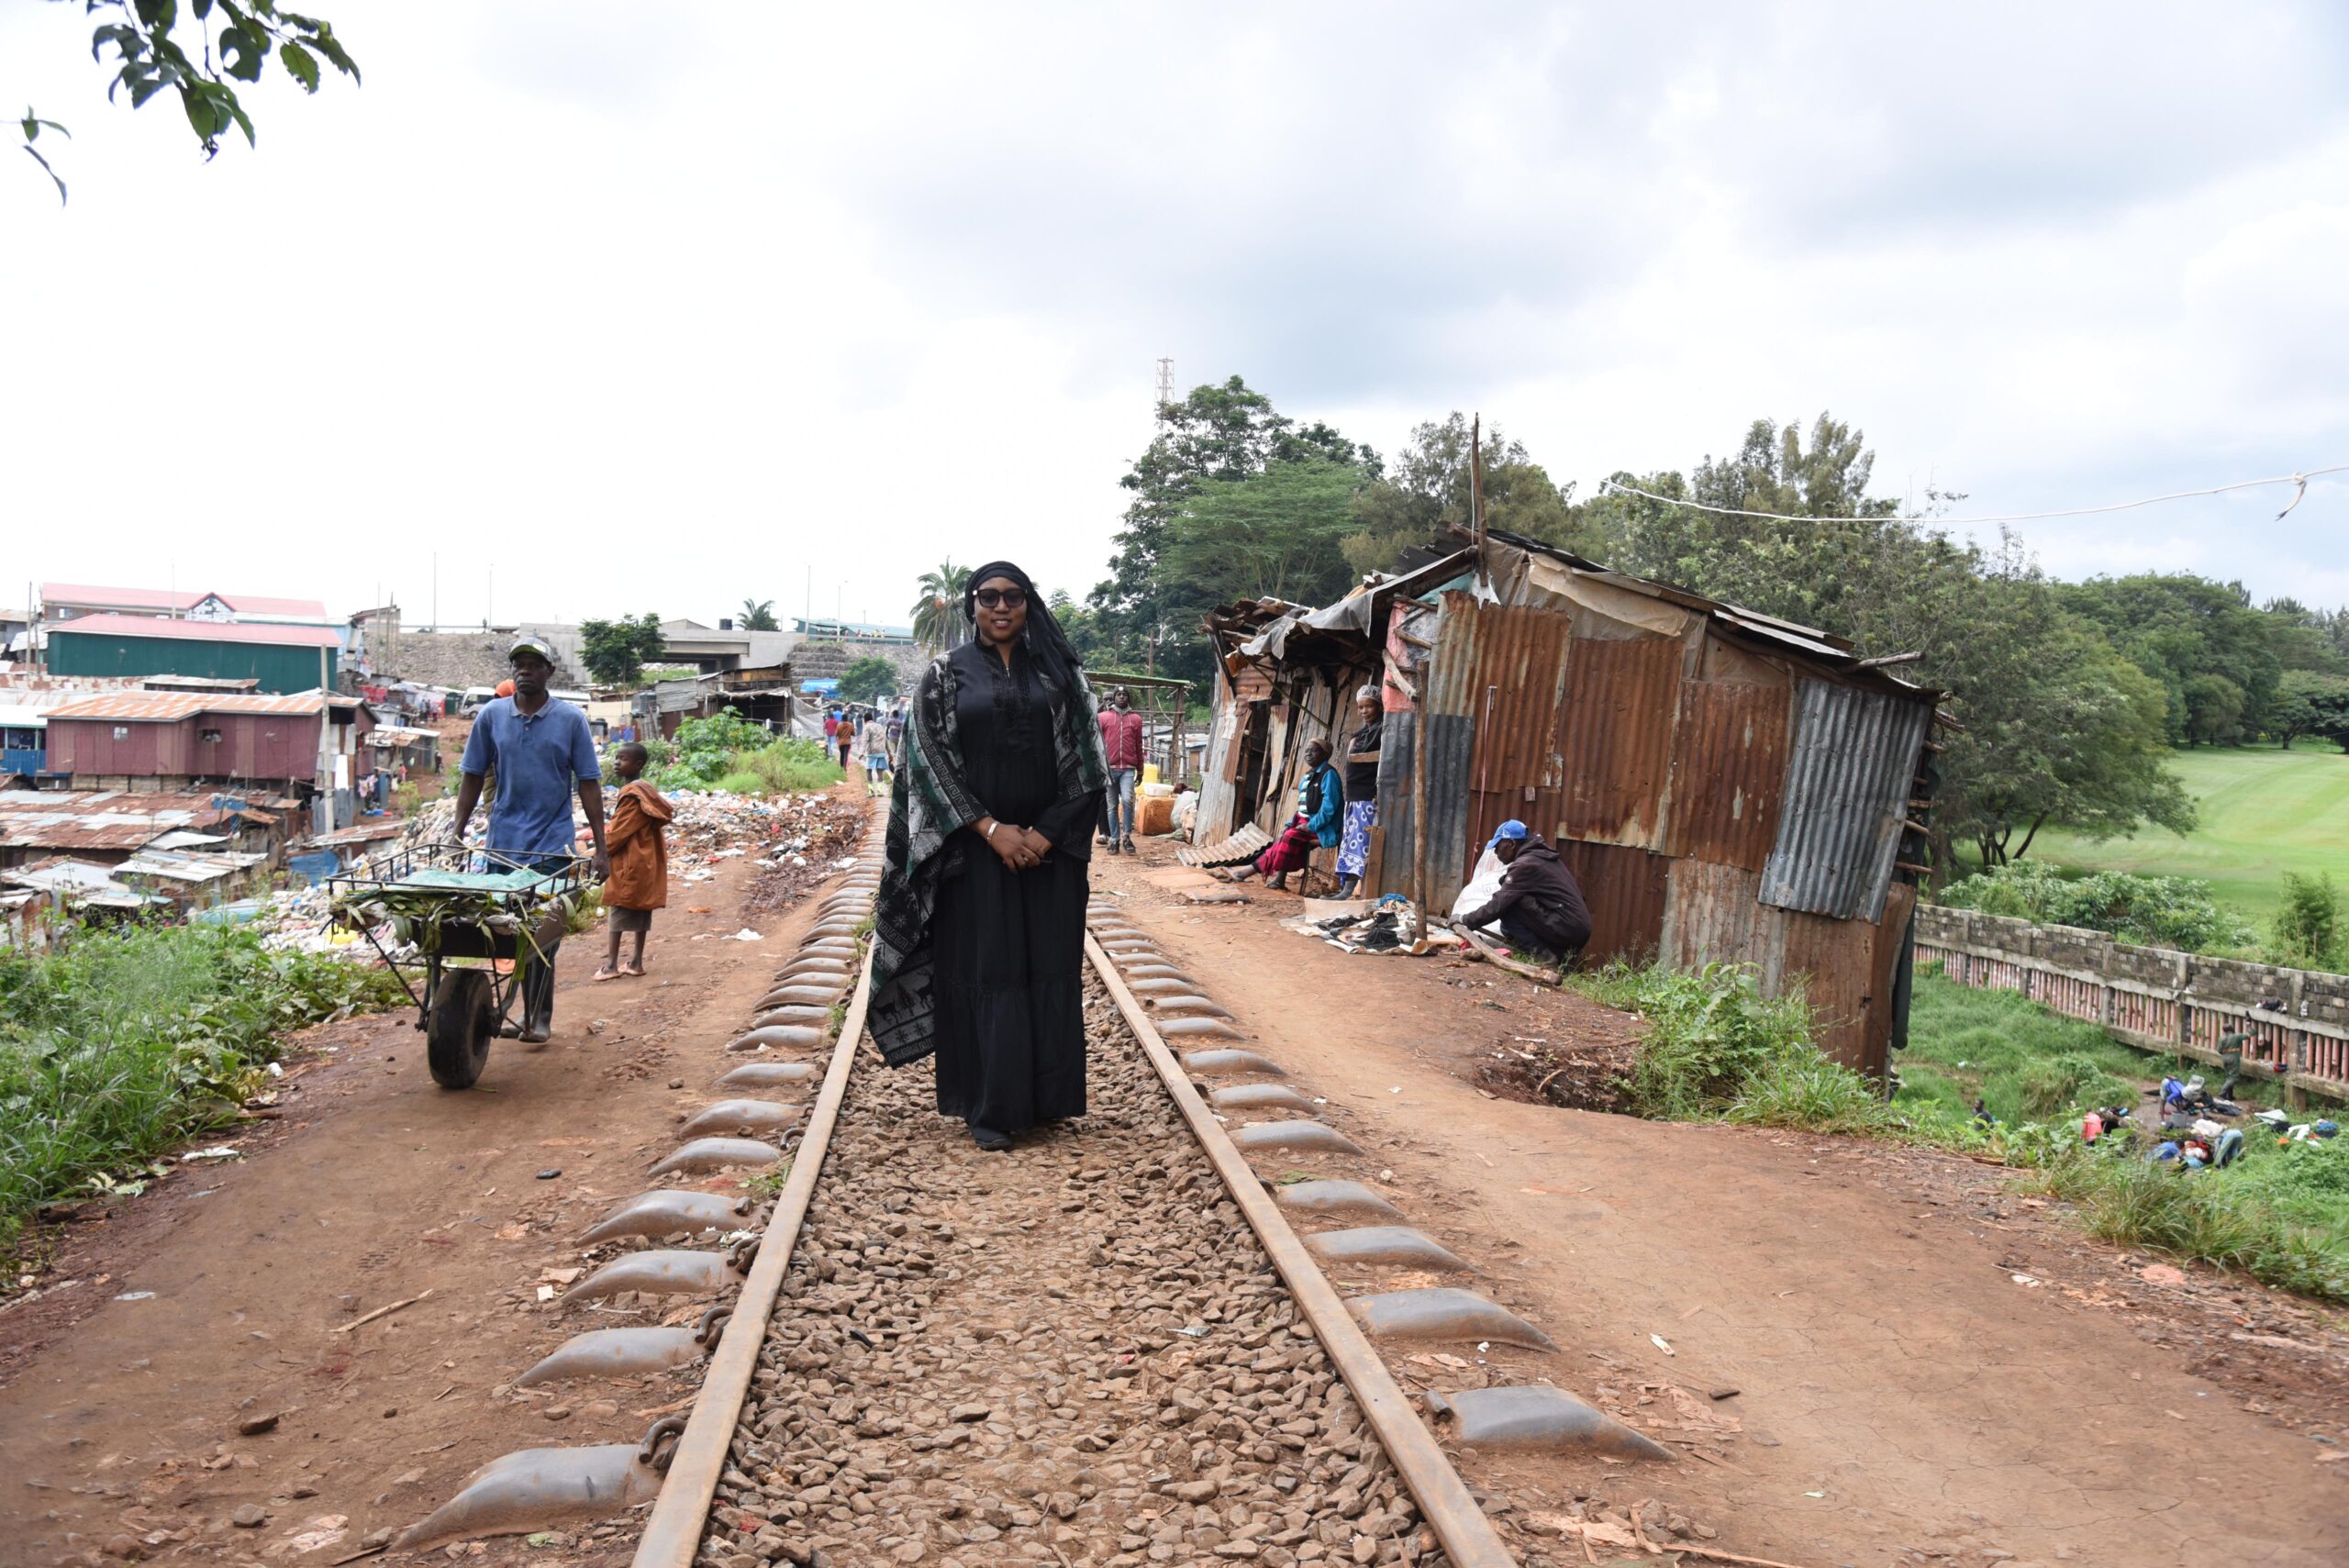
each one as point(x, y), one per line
point(930, 801)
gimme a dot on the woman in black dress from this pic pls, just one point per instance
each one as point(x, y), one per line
point(979, 929)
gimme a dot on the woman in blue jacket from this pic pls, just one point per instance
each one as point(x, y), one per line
point(1321, 807)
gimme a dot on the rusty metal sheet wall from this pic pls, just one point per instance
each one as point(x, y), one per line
point(1853, 756)
point(1448, 765)
point(1833, 960)
point(1451, 670)
point(1615, 736)
point(1625, 890)
point(1728, 764)
point(1711, 915)
point(1518, 685)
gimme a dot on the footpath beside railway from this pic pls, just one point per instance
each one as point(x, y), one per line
point(1928, 1368)
point(226, 1296)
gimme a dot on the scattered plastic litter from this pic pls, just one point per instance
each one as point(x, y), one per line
point(222, 1151)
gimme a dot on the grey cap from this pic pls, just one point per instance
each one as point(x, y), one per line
point(526, 644)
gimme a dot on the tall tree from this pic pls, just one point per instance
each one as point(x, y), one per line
point(2199, 639)
point(939, 626)
point(1225, 433)
point(616, 652)
point(233, 41)
point(1276, 534)
point(758, 615)
point(2060, 730)
point(868, 679)
point(1428, 491)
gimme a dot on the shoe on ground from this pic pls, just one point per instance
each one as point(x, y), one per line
point(991, 1140)
point(1129, 847)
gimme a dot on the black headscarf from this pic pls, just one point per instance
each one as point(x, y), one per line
point(1047, 644)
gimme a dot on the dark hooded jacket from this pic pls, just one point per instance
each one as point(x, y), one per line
point(1543, 893)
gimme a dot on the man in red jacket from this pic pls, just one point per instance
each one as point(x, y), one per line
point(1121, 739)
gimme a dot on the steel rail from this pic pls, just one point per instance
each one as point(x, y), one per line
point(1466, 1535)
point(680, 1515)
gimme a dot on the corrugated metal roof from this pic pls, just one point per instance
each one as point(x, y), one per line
point(1617, 725)
point(107, 819)
point(1238, 850)
point(1728, 764)
point(198, 630)
point(1848, 770)
point(170, 708)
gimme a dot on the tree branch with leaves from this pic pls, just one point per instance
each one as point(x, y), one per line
point(198, 53)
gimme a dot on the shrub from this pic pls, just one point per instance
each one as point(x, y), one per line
point(1709, 1033)
point(118, 1044)
point(2157, 911)
point(728, 752)
point(2308, 927)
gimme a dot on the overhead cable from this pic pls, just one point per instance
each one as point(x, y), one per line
point(2299, 480)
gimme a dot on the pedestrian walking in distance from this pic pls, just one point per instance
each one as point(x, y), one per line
point(874, 738)
point(979, 928)
point(639, 841)
point(539, 746)
point(1121, 742)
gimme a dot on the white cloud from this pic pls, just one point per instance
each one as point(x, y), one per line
point(656, 309)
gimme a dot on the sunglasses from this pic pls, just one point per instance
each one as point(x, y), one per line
point(1009, 599)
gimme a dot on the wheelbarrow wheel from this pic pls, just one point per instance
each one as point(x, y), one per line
point(464, 1020)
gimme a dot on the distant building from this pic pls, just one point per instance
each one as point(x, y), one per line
point(72, 601)
point(279, 657)
point(304, 746)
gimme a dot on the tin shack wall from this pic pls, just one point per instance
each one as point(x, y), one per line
point(105, 747)
point(1849, 769)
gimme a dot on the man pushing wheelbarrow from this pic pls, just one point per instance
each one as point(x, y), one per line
point(540, 747)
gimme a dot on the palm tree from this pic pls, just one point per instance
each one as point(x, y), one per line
point(937, 613)
point(758, 615)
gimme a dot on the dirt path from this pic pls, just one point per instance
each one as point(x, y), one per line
point(1902, 1396)
point(121, 1422)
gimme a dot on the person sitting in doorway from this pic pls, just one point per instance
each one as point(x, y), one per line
point(1540, 906)
point(1321, 799)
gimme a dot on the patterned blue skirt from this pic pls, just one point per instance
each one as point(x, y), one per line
point(1354, 844)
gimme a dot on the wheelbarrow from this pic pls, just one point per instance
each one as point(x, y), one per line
point(459, 929)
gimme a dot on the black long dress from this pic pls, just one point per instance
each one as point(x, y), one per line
point(1010, 945)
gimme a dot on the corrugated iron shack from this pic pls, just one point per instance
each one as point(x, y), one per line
point(1726, 786)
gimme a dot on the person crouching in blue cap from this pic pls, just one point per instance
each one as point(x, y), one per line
point(1540, 905)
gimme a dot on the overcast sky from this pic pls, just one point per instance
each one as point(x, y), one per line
point(655, 319)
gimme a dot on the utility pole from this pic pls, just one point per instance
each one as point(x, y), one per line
point(436, 590)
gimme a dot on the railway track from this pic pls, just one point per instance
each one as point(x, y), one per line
point(1106, 1347)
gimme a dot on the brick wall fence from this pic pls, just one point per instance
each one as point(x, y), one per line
point(2173, 1003)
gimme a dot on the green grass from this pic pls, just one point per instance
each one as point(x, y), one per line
point(2025, 1062)
point(1714, 1048)
point(119, 1044)
point(2264, 812)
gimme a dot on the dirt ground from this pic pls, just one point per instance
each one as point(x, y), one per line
point(225, 1293)
point(1929, 1367)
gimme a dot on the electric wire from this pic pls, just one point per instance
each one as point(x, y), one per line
point(2300, 479)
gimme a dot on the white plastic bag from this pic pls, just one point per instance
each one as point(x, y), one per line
point(1481, 888)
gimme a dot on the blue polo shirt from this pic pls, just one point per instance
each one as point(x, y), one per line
point(537, 757)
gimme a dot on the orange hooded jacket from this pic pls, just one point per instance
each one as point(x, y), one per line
point(639, 849)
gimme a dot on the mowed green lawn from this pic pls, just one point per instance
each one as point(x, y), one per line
point(2265, 812)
